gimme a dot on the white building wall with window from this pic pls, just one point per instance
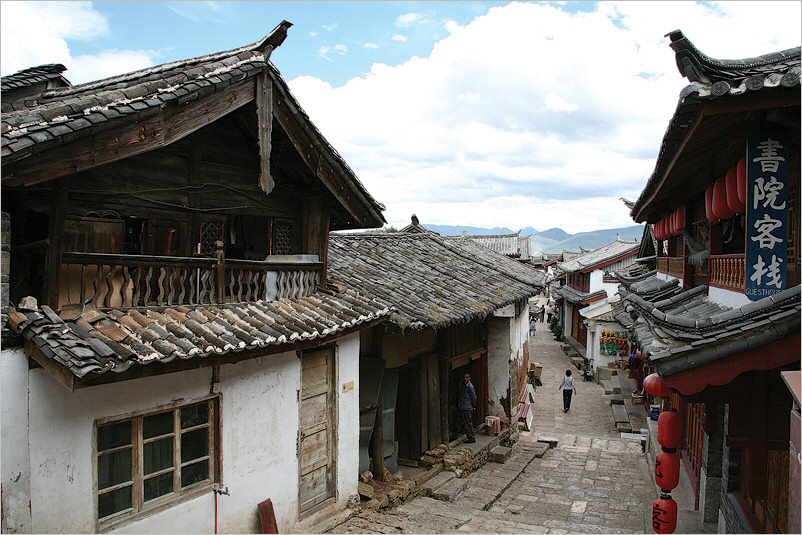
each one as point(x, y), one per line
point(259, 416)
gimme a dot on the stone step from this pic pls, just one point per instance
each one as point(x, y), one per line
point(437, 481)
point(623, 427)
point(616, 384)
point(578, 362)
point(551, 441)
point(620, 414)
point(616, 399)
point(608, 388)
point(500, 454)
point(450, 491)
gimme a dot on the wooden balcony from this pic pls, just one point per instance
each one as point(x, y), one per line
point(727, 271)
point(672, 265)
point(108, 280)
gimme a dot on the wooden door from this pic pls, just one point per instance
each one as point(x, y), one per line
point(317, 425)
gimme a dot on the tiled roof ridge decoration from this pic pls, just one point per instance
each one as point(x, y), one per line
point(32, 75)
point(271, 41)
point(98, 341)
point(699, 67)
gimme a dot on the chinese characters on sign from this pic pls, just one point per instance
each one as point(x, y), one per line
point(766, 214)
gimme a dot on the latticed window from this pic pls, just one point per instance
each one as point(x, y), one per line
point(211, 231)
point(283, 238)
point(152, 459)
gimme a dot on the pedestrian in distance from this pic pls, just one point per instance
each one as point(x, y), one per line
point(569, 389)
point(467, 404)
point(532, 326)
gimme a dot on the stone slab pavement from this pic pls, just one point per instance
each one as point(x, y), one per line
point(593, 481)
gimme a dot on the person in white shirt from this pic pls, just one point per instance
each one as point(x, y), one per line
point(569, 388)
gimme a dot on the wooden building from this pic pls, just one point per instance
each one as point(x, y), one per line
point(457, 307)
point(172, 331)
point(719, 319)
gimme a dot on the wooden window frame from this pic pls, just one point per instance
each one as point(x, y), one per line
point(140, 508)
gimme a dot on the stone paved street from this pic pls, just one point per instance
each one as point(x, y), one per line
point(591, 482)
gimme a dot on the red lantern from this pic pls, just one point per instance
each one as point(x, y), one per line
point(640, 356)
point(666, 470)
point(658, 230)
point(709, 205)
point(720, 208)
point(733, 202)
point(655, 386)
point(669, 429)
point(740, 179)
point(664, 515)
point(680, 219)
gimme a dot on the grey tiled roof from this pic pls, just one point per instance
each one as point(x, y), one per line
point(117, 339)
point(577, 297)
point(495, 259)
point(32, 76)
point(603, 254)
point(431, 282)
point(680, 330)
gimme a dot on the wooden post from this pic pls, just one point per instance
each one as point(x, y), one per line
point(264, 114)
point(377, 444)
point(56, 237)
point(220, 269)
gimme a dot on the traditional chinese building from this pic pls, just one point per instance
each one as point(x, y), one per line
point(719, 319)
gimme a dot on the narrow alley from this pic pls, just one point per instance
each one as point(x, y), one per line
point(593, 481)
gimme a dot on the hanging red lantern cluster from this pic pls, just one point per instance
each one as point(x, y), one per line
point(670, 225)
point(666, 467)
point(726, 197)
point(654, 385)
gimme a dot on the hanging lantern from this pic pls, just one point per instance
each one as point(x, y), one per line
point(666, 470)
point(680, 219)
point(733, 202)
point(740, 179)
point(720, 208)
point(664, 514)
point(660, 230)
point(709, 205)
point(669, 429)
point(656, 230)
point(640, 355)
point(655, 386)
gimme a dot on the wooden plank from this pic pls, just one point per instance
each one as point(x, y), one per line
point(315, 444)
point(434, 383)
point(56, 236)
point(60, 372)
point(264, 114)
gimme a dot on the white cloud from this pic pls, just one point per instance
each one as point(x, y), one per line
point(410, 19)
point(341, 49)
point(400, 38)
point(36, 33)
point(530, 115)
point(200, 11)
point(329, 27)
point(371, 45)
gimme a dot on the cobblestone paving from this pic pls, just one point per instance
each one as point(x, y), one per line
point(592, 482)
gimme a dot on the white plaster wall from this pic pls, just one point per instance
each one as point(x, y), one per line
point(727, 297)
point(348, 415)
point(602, 360)
point(568, 318)
point(15, 467)
point(499, 354)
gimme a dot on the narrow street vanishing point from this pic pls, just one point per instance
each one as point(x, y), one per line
point(593, 481)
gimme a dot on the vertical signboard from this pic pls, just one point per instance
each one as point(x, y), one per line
point(766, 214)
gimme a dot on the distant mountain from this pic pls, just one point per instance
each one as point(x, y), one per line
point(556, 234)
point(454, 230)
point(594, 239)
point(553, 240)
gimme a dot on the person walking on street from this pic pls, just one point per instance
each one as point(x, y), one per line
point(532, 326)
point(569, 388)
point(466, 404)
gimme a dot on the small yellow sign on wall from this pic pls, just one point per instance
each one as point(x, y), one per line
point(347, 387)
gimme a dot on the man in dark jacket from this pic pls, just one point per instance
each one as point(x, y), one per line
point(467, 404)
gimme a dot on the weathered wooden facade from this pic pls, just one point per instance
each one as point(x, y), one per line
point(457, 307)
point(719, 319)
point(168, 265)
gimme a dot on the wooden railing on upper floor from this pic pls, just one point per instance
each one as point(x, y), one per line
point(108, 280)
point(727, 271)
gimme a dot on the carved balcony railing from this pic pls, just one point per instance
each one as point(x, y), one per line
point(727, 271)
point(672, 265)
point(108, 280)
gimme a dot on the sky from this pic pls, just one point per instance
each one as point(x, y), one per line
point(486, 114)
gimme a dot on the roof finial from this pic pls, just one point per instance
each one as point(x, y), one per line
point(415, 220)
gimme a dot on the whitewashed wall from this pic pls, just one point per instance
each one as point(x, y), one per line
point(259, 412)
point(507, 334)
point(15, 466)
point(599, 360)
